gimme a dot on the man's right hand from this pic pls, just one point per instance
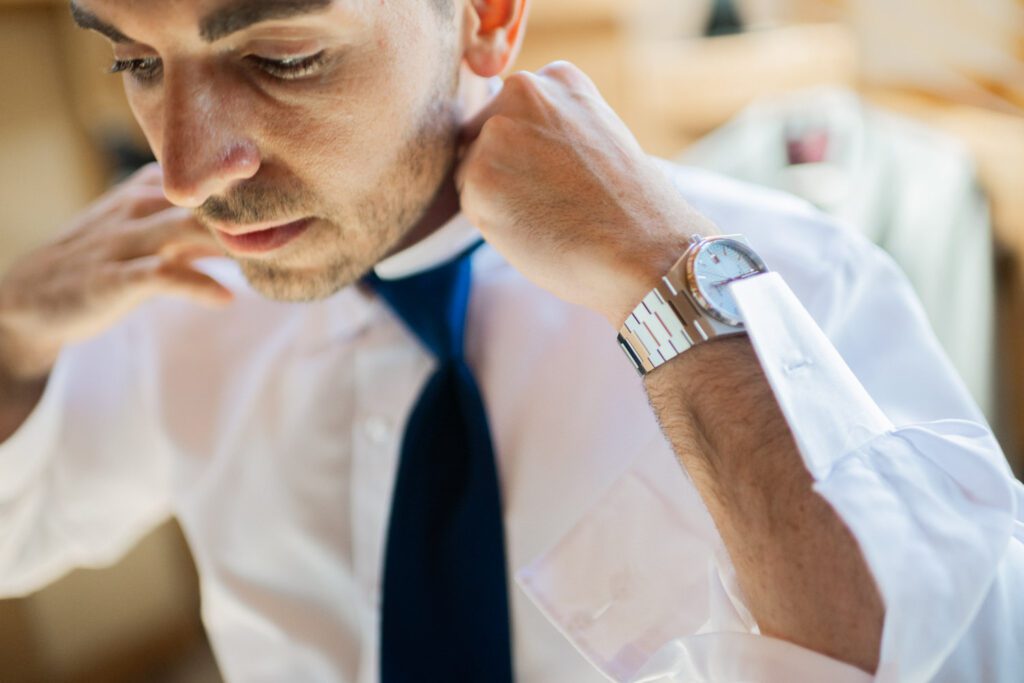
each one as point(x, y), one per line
point(127, 247)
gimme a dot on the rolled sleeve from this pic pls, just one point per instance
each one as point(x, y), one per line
point(644, 589)
point(931, 505)
point(88, 472)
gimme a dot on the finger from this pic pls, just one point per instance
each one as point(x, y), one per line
point(191, 242)
point(509, 101)
point(142, 201)
point(155, 276)
point(187, 252)
point(567, 75)
point(150, 174)
point(179, 279)
point(161, 232)
point(471, 128)
point(459, 176)
point(469, 158)
point(479, 163)
point(139, 194)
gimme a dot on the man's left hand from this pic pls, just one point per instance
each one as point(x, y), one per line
point(557, 183)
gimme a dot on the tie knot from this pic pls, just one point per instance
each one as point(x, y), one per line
point(432, 303)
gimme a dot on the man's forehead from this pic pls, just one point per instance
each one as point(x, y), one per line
point(216, 19)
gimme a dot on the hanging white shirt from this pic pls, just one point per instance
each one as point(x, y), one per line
point(272, 432)
point(912, 190)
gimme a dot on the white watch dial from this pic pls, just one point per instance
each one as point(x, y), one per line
point(717, 264)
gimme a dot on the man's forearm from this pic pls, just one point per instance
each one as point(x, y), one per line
point(800, 568)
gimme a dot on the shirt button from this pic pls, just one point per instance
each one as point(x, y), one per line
point(377, 429)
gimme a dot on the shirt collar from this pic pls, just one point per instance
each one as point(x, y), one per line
point(451, 239)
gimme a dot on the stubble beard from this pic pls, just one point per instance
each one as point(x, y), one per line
point(380, 223)
point(339, 249)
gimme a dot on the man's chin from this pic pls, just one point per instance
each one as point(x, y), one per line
point(300, 285)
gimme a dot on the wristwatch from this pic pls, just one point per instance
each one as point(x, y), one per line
point(692, 303)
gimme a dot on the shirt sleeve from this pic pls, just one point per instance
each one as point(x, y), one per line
point(86, 475)
point(932, 505)
point(898, 449)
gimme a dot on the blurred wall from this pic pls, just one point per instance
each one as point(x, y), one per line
point(48, 167)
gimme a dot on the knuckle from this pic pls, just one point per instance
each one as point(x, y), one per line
point(522, 84)
point(564, 72)
point(483, 174)
point(169, 249)
point(561, 69)
point(165, 271)
point(498, 126)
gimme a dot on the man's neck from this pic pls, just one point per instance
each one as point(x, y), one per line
point(441, 210)
point(474, 92)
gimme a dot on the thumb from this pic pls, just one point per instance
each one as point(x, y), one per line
point(469, 133)
point(473, 125)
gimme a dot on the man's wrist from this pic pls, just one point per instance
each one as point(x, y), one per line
point(657, 244)
point(646, 265)
point(21, 362)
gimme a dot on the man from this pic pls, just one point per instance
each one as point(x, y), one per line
point(327, 148)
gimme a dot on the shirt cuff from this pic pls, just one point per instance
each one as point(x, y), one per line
point(931, 506)
point(827, 408)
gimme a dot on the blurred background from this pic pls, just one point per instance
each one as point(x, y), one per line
point(903, 118)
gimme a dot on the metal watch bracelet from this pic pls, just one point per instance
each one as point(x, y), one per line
point(667, 322)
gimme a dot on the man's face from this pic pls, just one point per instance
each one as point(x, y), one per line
point(267, 112)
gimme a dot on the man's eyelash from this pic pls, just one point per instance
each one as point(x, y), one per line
point(143, 69)
point(291, 68)
point(146, 69)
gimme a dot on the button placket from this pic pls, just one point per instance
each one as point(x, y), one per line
point(379, 431)
point(390, 369)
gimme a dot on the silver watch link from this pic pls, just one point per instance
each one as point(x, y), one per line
point(691, 304)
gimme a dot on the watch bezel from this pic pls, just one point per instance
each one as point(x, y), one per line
point(691, 277)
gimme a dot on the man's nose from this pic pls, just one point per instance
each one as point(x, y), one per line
point(205, 149)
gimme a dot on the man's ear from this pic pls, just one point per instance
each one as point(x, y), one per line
point(493, 34)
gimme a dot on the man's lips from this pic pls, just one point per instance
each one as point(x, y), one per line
point(261, 238)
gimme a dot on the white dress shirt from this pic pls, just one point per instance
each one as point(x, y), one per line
point(272, 431)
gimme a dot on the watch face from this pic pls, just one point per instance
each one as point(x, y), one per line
point(717, 263)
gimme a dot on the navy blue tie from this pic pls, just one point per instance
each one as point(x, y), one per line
point(444, 617)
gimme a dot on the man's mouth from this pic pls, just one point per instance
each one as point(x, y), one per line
point(260, 238)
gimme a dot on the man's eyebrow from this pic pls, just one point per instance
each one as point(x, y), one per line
point(88, 20)
point(242, 14)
